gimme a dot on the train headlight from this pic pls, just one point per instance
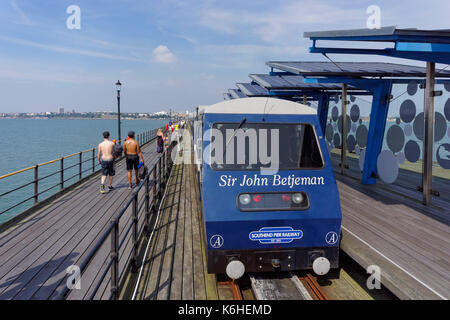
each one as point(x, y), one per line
point(235, 269)
point(297, 198)
point(321, 266)
point(245, 199)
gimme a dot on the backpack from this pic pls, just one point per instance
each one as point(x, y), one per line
point(117, 150)
point(142, 171)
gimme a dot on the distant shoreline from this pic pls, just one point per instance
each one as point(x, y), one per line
point(78, 118)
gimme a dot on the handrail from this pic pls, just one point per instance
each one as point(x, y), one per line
point(82, 163)
point(163, 165)
point(16, 172)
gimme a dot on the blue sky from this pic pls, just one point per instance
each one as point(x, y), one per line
point(168, 54)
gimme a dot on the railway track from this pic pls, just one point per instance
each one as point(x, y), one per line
point(278, 286)
point(286, 286)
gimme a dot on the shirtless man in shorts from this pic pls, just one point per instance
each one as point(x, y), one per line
point(133, 153)
point(106, 160)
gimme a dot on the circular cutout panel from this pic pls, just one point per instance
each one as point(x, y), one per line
point(395, 138)
point(334, 113)
point(443, 155)
point(336, 140)
point(440, 126)
point(408, 130)
point(387, 166)
point(418, 126)
point(361, 136)
point(354, 113)
point(329, 132)
point(412, 87)
point(347, 124)
point(447, 109)
point(412, 151)
point(351, 143)
point(407, 111)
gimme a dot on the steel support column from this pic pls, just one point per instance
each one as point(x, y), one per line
point(428, 140)
point(322, 110)
point(344, 128)
point(377, 126)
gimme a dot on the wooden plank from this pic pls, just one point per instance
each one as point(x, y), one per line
point(165, 281)
point(176, 291)
point(188, 275)
point(157, 252)
point(199, 272)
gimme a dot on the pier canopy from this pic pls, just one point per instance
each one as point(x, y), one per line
point(423, 45)
point(430, 46)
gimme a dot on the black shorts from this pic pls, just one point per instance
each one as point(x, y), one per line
point(132, 162)
point(108, 168)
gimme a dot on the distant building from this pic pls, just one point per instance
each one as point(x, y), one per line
point(61, 110)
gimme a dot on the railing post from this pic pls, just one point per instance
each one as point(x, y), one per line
point(93, 160)
point(160, 177)
point(134, 259)
point(36, 186)
point(155, 196)
point(61, 174)
point(147, 204)
point(163, 170)
point(80, 173)
point(166, 159)
point(115, 260)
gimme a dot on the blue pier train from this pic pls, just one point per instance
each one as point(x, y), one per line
point(269, 196)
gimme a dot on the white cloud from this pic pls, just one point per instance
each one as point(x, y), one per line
point(162, 54)
point(23, 16)
point(67, 50)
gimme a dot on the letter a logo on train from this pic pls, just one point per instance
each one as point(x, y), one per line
point(276, 235)
point(216, 241)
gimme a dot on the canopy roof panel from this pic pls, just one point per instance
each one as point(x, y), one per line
point(290, 82)
point(354, 69)
point(385, 34)
point(252, 89)
point(236, 93)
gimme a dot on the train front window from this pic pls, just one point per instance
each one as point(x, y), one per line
point(254, 146)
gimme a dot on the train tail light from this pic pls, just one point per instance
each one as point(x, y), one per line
point(273, 201)
point(257, 198)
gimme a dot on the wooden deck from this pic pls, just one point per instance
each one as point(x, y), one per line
point(407, 240)
point(406, 183)
point(36, 252)
point(175, 266)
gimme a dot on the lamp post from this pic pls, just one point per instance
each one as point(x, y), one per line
point(118, 86)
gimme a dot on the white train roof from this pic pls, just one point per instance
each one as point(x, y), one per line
point(258, 105)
